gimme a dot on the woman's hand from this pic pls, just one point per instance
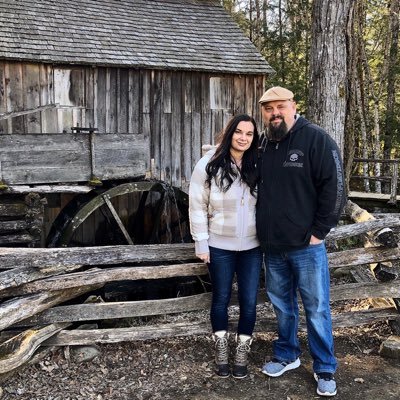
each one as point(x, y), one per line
point(315, 240)
point(205, 257)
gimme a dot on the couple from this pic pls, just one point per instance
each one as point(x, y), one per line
point(280, 203)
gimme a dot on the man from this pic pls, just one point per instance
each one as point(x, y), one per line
point(300, 198)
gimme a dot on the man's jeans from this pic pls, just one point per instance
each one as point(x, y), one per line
point(223, 266)
point(306, 270)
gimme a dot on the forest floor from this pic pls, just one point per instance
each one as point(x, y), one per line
point(182, 368)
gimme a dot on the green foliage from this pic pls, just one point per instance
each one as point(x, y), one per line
point(378, 38)
point(280, 29)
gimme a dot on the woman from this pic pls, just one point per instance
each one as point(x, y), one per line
point(222, 200)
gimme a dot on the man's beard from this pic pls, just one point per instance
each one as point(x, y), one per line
point(277, 132)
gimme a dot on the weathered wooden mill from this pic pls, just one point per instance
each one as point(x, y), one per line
point(104, 108)
point(111, 92)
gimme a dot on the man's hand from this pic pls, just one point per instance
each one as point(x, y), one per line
point(205, 257)
point(315, 240)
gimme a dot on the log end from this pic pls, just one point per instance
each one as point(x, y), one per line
point(390, 348)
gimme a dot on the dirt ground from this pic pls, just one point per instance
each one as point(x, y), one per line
point(181, 368)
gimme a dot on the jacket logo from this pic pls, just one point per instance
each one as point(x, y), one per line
point(294, 157)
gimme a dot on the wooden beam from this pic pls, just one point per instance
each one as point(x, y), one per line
point(362, 256)
point(107, 255)
point(65, 158)
point(101, 311)
point(88, 337)
point(13, 209)
point(18, 276)
point(97, 276)
point(13, 114)
point(350, 230)
point(62, 188)
point(17, 225)
point(19, 349)
point(117, 219)
point(365, 290)
point(131, 309)
point(20, 238)
point(100, 255)
point(15, 310)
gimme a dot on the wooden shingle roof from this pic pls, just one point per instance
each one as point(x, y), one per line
point(155, 34)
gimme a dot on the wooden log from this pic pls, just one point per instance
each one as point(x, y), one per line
point(19, 349)
point(363, 317)
point(16, 238)
point(10, 226)
point(384, 215)
point(365, 290)
point(361, 276)
point(15, 310)
point(109, 255)
point(35, 216)
point(104, 311)
point(18, 276)
point(13, 209)
point(97, 276)
point(351, 230)
point(390, 347)
point(88, 337)
point(101, 255)
point(383, 236)
point(61, 188)
point(362, 256)
point(356, 213)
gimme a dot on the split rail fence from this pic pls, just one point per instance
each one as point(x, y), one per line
point(35, 284)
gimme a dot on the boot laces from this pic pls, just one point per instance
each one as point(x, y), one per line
point(221, 345)
point(242, 351)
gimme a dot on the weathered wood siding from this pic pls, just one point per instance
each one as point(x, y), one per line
point(43, 158)
point(177, 111)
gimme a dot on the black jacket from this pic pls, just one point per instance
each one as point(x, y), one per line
point(301, 188)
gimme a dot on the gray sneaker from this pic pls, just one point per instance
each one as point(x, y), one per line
point(276, 368)
point(326, 385)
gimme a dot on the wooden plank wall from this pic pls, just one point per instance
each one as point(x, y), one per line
point(72, 157)
point(179, 111)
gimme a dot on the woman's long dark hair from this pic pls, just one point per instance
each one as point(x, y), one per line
point(220, 167)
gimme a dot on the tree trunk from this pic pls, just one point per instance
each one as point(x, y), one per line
point(328, 67)
point(393, 71)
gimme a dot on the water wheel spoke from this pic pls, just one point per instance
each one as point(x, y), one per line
point(117, 219)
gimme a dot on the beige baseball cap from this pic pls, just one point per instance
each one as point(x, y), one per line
point(276, 93)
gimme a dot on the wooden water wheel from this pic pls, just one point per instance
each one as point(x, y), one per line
point(144, 212)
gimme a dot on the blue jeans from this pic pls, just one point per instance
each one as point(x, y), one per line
point(305, 270)
point(222, 268)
